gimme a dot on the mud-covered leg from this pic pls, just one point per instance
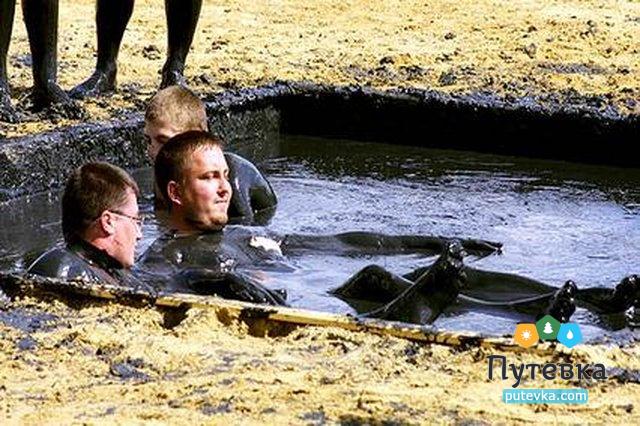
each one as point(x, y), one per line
point(559, 303)
point(606, 301)
point(417, 273)
point(425, 300)
point(182, 18)
point(41, 19)
point(374, 284)
point(362, 243)
point(7, 12)
point(112, 17)
point(481, 248)
point(502, 287)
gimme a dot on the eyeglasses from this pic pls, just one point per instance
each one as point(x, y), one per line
point(139, 220)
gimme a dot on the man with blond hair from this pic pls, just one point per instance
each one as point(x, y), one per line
point(206, 256)
point(176, 110)
point(212, 258)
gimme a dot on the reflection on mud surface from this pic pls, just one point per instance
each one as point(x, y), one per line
point(557, 220)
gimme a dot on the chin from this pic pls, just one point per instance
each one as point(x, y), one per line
point(214, 223)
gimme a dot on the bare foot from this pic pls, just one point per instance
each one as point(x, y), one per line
point(7, 111)
point(55, 102)
point(434, 291)
point(172, 76)
point(563, 305)
point(99, 83)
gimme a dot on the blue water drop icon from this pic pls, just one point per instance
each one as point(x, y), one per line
point(570, 334)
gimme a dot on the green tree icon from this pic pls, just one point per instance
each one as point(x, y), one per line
point(547, 327)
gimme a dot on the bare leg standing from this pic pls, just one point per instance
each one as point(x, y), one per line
point(112, 17)
point(182, 18)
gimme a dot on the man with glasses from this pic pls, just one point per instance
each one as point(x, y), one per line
point(100, 224)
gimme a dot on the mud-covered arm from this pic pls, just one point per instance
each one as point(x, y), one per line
point(374, 243)
point(228, 285)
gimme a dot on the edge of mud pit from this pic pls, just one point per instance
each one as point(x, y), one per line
point(559, 126)
point(261, 320)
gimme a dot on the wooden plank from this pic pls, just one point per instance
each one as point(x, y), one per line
point(244, 311)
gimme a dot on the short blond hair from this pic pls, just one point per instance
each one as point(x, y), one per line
point(180, 107)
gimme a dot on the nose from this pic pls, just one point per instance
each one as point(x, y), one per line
point(224, 189)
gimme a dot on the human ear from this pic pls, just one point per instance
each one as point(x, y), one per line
point(173, 192)
point(107, 223)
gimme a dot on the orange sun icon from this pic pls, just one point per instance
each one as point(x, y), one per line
point(526, 335)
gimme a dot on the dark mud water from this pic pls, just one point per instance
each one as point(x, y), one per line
point(557, 220)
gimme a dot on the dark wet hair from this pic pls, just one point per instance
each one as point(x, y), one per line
point(91, 189)
point(174, 156)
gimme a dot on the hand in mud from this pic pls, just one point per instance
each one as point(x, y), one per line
point(99, 83)
point(481, 248)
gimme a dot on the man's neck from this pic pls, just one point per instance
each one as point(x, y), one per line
point(179, 224)
point(96, 253)
point(182, 225)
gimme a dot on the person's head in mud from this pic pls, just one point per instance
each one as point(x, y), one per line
point(100, 207)
point(193, 176)
point(172, 111)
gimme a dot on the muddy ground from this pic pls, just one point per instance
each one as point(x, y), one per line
point(97, 364)
point(582, 51)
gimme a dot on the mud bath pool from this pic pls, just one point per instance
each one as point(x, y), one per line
point(557, 220)
point(316, 374)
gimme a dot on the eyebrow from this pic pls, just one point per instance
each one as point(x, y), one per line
point(218, 170)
